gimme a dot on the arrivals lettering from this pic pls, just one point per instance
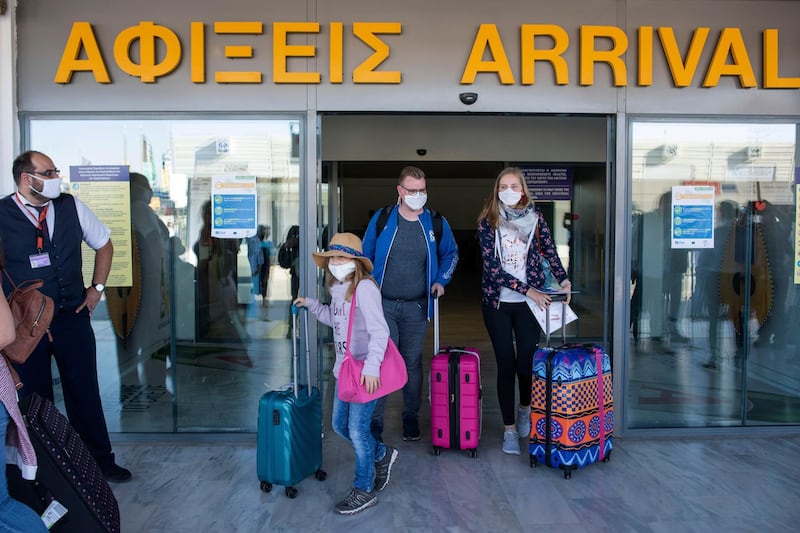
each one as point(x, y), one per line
point(160, 53)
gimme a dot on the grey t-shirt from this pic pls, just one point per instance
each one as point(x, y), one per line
point(406, 276)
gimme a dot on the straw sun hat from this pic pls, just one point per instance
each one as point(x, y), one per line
point(343, 245)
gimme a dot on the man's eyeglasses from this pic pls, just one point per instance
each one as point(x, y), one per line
point(415, 191)
point(47, 173)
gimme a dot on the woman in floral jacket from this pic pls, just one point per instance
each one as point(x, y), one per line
point(520, 262)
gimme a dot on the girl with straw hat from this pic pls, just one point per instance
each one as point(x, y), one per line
point(346, 270)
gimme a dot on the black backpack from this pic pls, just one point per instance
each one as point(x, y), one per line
point(287, 254)
point(435, 216)
point(284, 256)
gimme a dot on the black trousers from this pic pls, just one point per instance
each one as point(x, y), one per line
point(515, 334)
point(75, 352)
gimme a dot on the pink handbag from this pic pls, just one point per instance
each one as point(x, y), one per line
point(393, 374)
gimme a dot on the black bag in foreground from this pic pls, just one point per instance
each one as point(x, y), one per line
point(67, 474)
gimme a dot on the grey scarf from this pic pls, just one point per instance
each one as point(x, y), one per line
point(519, 222)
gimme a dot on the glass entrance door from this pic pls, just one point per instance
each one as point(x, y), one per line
point(714, 294)
point(201, 328)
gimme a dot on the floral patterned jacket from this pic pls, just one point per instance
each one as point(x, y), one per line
point(494, 277)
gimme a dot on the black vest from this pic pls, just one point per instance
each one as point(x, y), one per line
point(63, 278)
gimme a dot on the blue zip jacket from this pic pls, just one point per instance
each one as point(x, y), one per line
point(442, 259)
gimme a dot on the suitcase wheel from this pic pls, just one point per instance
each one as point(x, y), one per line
point(321, 475)
point(437, 451)
point(266, 487)
point(567, 474)
point(291, 492)
point(607, 457)
point(472, 453)
point(533, 460)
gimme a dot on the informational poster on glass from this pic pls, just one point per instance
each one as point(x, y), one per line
point(105, 189)
point(692, 220)
point(548, 183)
point(233, 206)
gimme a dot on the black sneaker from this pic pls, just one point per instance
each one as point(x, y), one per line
point(383, 468)
point(411, 429)
point(356, 501)
point(116, 473)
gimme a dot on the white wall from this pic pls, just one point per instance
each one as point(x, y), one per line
point(9, 144)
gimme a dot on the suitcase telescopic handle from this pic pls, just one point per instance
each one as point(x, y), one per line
point(294, 351)
point(308, 350)
point(295, 357)
point(563, 300)
point(558, 297)
point(435, 324)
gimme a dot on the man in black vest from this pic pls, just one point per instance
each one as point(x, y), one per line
point(41, 231)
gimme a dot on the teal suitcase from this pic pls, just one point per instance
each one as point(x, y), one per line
point(289, 439)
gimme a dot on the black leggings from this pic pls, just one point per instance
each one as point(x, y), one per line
point(512, 321)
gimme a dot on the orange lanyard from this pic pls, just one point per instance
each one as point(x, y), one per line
point(40, 227)
point(41, 219)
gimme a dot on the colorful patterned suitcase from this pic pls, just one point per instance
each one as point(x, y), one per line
point(67, 474)
point(572, 407)
point(455, 396)
point(289, 438)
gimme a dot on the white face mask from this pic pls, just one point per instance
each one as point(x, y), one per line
point(415, 201)
point(510, 197)
point(50, 188)
point(341, 272)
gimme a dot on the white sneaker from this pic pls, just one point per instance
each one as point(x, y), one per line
point(524, 422)
point(511, 442)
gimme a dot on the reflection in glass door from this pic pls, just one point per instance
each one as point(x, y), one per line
point(203, 329)
point(713, 298)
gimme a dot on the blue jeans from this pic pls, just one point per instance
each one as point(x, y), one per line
point(351, 421)
point(408, 324)
point(15, 517)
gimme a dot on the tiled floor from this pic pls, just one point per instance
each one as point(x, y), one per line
point(673, 485)
point(196, 482)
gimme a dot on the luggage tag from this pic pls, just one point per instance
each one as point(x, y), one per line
point(39, 260)
point(54, 512)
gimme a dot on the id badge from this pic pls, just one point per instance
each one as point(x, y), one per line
point(39, 260)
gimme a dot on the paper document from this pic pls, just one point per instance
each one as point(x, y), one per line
point(556, 318)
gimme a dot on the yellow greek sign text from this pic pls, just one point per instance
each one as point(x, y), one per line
point(150, 51)
point(82, 52)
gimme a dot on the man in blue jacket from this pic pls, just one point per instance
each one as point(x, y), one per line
point(415, 254)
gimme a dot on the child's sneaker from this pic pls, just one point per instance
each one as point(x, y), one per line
point(356, 501)
point(511, 442)
point(383, 468)
point(524, 422)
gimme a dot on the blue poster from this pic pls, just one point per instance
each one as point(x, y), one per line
point(692, 221)
point(233, 206)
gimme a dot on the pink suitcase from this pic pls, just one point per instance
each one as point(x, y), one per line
point(455, 395)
